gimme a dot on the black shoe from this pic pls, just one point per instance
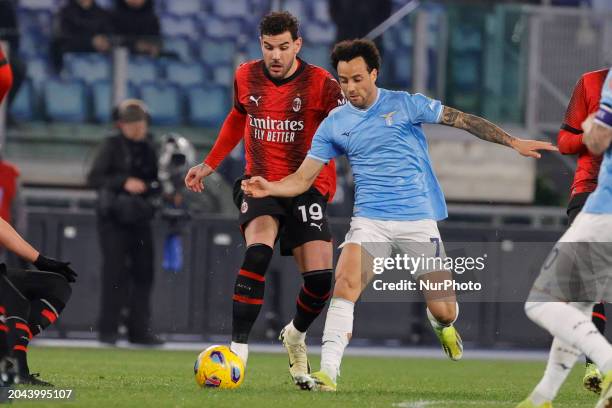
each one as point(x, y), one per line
point(8, 372)
point(148, 339)
point(32, 379)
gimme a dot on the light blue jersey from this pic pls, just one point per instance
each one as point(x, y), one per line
point(600, 201)
point(387, 150)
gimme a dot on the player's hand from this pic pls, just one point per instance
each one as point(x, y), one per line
point(134, 185)
point(43, 263)
point(529, 148)
point(257, 187)
point(194, 180)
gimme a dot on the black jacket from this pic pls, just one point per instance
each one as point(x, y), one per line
point(120, 158)
point(134, 24)
point(76, 26)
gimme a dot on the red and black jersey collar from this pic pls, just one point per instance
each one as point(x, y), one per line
point(279, 82)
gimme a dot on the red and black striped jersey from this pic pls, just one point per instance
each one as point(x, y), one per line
point(584, 101)
point(282, 117)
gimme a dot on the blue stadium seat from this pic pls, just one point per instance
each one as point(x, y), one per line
point(33, 44)
point(65, 101)
point(223, 75)
point(38, 4)
point(164, 102)
point(182, 7)
point(207, 105)
point(181, 46)
point(185, 74)
point(38, 70)
point(22, 107)
point(320, 11)
point(252, 50)
point(101, 95)
point(88, 67)
point(173, 26)
point(142, 69)
point(230, 9)
point(298, 8)
point(214, 52)
point(316, 55)
point(319, 33)
point(223, 28)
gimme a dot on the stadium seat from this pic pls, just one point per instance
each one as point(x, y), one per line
point(207, 105)
point(214, 52)
point(252, 50)
point(298, 8)
point(402, 68)
point(223, 28)
point(142, 69)
point(231, 9)
point(223, 75)
point(316, 55)
point(173, 26)
point(22, 107)
point(319, 33)
point(33, 44)
point(164, 103)
point(185, 74)
point(101, 96)
point(88, 67)
point(320, 11)
point(38, 70)
point(65, 101)
point(38, 4)
point(182, 7)
point(181, 46)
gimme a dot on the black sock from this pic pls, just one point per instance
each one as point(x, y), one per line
point(312, 297)
point(599, 320)
point(43, 313)
point(249, 291)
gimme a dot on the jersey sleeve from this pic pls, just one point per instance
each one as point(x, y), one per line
point(332, 96)
point(606, 91)
point(569, 138)
point(323, 148)
point(237, 104)
point(422, 109)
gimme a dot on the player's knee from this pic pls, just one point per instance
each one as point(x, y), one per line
point(533, 310)
point(59, 289)
point(257, 258)
point(444, 313)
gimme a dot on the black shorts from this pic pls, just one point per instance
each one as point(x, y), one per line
point(302, 218)
point(575, 206)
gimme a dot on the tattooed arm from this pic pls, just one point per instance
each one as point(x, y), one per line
point(490, 132)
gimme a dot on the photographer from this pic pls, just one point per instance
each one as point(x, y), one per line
point(125, 174)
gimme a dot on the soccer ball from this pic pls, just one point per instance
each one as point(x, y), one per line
point(218, 367)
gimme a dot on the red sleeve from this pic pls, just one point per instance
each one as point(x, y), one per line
point(6, 76)
point(569, 139)
point(332, 96)
point(231, 133)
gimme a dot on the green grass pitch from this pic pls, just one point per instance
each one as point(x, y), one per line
point(154, 378)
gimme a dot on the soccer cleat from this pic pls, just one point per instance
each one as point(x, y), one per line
point(592, 379)
point(299, 367)
point(528, 404)
point(323, 382)
point(451, 342)
point(605, 401)
point(33, 379)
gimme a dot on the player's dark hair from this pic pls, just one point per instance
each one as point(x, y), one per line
point(351, 49)
point(278, 22)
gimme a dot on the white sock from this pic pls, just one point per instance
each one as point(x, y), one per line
point(293, 335)
point(571, 324)
point(242, 349)
point(436, 324)
point(561, 359)
point(336, 335)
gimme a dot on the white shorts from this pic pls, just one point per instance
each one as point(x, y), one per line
point(579, 267)
point(414, 238)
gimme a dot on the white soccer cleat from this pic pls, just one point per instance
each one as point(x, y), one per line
point(299, 367)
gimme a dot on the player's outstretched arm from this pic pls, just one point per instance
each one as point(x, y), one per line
point(597, 137)
point(11, 239)
point(290, 186)
point(490, 132)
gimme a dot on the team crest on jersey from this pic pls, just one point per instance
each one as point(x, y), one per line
point(297, 104)
point(389, 117)
point(244, 207)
